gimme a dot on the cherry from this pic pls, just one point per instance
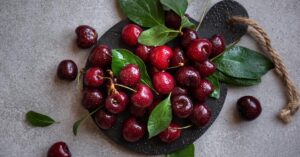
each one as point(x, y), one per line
point(172, 133)
point(249, 107)
point(133, 130)
point(101, 56)
point(163, 82)
point(143, 96)
point(182, 106)
point(59, 149)
point(92, 98)
point(199, 50)
point(143, 52)
point(130, 34)
point(179, 91)
point(94, 77)
point(203, 90)
point(67, 70)
point(178, 58)
point(188, 35)
point(218, 45)
point(130, 75)
point(105, 120)
point(86, 36)
point(137, 111)
point(188, 77)
point(160, 57)
point(201, 115)
point(172, 20)
point(116, 102)
point(206, 68)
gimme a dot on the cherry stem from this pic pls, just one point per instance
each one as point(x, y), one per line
point(205, 6)
point(185, 127)
point(120, 85)
point(177, 66)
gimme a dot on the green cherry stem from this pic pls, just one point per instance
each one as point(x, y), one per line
point(123, 86)
point(185, 127)
point(177, 66)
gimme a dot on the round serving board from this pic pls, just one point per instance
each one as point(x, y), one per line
point(214, 23)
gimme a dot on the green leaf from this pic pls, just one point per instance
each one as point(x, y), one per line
point(186, 23)
point(122, 57)
point(146, 13)
point(241, 62)
point(215, 81)
point(160, 117)
point(236, 81)
point(158, 35)
point(37, 119)
point(83, 119)
point(178, 6)
point(187, 151)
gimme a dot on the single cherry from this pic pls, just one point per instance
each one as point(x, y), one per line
point(201, 115)
point(67, 70)
point(249, 107)
point(130, 75)
point(143, 96)
point(218, 45)
point(86, 36)
point(94, 77)
point(105, 120)
point(101, 56)
point(179, 58)
point(199, 50)
point(137, 111)
point(172, 133)
point(116, 102)
point(163, 82)
point(188, 77)
point(206, 68)
point(143, 52)
point(160, 57)
point(182, 106)
point(187, 36)
point(130, 34)
point(133, 130)
point(172, 20)
point(179, 91)
point(59, 149)
point(203, 90)
point(92, 98)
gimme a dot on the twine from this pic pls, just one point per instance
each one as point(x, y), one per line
point(264, 41)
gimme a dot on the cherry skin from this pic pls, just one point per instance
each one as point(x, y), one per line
point(116, 102)
point(172, 20)
point(201, 115)
point(143, 96)
point(143, 52)
point(249, 107)
point(86, 36)
point(199, 50)
point(188, 77)
point(178, 57)
point(94, 77)
point(59, 149)
point(137, 111)
point(163, 82)
point(188, 35)
point(101, 56)
point(130, 34)
point(133, 130)
point(160, 57)
point(172, 133)
point(92, 98)
point(206, 68)
point(130, 75)
point(105, 120)
point(67, 70)
point(203, 90)
point(179, 91)
point(218, 45)
point(182, 106)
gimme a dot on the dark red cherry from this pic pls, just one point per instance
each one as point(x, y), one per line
point(67, 70)
point(178, 57)
point(116, 102)
point(206, 68)
point(201, 115)
point(143, 96)
point(92, 98)
point(86, 36)
point(188, 77)
point(249, 107)
point(182, 106)
point(172, 133)
point(161, 56)
point(105, 120)
point(131, 33)
point(172, 20)
point(218, 45)
point(179, 91)
point(133, 130)
point(163, 82)
point(137, 111)
point(59, 149)
point(94, 77)
point(130, 75)
point(101, 56)
point(199, 50)
point(203, 90)
point(188, 35)
point(143, 52)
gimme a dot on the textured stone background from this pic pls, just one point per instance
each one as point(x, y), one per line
point(35, 35)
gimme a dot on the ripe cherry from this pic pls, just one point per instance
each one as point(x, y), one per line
point(182, 106)
point(105, 120)
point(137, 111)
point(249, 107)
point(172, 133)
point(94, 77)
point(116, 102)
point(92, 98)
point(133, 130)
point(201, 115)
point(199, 50)
point(130, 75)
point(160, 57)
point(188, 77)
point(218, 45)
point(179, 91)
point(143, 96)
point(59, 149)
point(188, 35)
point(86, 36)
point(101, 56)
point(143, 52)
point(67, 70)
point(163, 82)
point(130, 34)
point(206, 68)
point(172, 20)
point(179, 58)
point(203, 90)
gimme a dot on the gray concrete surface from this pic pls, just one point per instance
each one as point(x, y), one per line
point(35, 35)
